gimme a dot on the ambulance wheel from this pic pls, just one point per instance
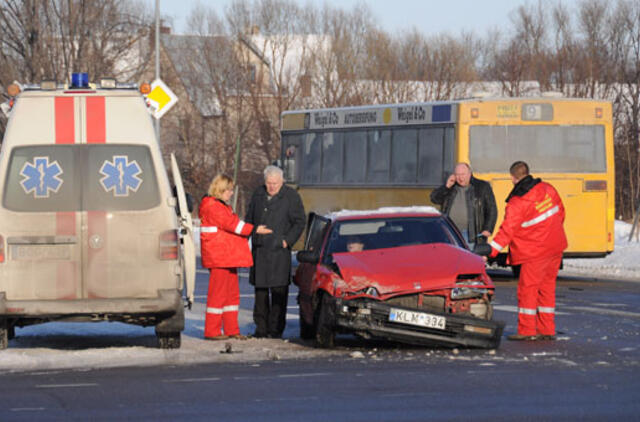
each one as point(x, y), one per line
point(325, 334)
point(168, 340)
point(4, 334)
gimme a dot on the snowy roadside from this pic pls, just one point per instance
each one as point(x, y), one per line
point(623, 262)
point(108, 345)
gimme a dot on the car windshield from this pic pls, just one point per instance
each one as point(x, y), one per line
point(367, 234)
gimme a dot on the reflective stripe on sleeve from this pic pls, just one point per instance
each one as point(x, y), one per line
point(546, 310)
point(217, 311)
point(208, 229)
point(527, 311)
point(495, 245)
point(231, 308)
point(239, 227)
point(541, 217)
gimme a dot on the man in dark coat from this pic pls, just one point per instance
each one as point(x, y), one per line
point(469, 202)
point(280, 208)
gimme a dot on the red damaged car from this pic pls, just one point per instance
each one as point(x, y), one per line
point(403, 275)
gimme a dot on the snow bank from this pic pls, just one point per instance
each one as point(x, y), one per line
point(624, 261)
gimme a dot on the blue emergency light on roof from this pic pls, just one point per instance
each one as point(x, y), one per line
point(80, 80)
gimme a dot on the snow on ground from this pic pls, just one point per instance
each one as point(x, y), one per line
point(68, 345)
point(623, 262)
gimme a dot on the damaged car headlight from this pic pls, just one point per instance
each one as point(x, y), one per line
point(371, 291)
point(467, 292)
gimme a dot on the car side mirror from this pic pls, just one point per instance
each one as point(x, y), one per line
point(310, 257)
point(482, 249)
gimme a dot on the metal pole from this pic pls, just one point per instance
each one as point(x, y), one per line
point(235, 173)
point(157, 123)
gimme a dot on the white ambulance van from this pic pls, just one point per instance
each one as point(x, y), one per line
point(88, 222)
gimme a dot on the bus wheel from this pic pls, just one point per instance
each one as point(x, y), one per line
point(515, 269)
point(168, 340)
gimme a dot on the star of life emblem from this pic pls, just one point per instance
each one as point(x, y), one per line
point(120, 176)
point(41, 177)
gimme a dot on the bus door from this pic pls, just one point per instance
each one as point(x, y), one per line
point(585, 221)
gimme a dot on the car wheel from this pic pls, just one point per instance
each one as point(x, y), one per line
point(4, 334)
point(11, 332)
point(324, 323)
point(168, 340)
point(515, 269)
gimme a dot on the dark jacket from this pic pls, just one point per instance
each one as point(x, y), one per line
point(481, 205)
point(284, 214)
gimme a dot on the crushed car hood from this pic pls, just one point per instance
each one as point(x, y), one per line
point(407, 268)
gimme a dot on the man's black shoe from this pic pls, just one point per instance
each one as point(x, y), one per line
point(259, 335)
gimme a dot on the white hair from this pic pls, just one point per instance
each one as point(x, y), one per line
point(273, 171)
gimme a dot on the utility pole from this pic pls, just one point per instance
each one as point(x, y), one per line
point(157, 123)
point(235, 173)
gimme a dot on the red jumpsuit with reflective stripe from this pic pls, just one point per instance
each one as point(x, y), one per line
point(533, 230)
point(224, 247)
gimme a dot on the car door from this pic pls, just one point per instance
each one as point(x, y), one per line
point(317, 227)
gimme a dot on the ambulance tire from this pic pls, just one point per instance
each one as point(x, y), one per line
point(4, 334)
point(324, 323)
point(169, 340)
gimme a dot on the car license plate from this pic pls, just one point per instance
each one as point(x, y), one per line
point(420, 319)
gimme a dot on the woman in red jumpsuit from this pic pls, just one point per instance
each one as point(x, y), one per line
point(225, 247)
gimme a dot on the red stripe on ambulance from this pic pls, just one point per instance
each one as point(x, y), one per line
point(67, 274)
point(97, 220)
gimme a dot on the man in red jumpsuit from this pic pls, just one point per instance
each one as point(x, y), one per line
point(532, 228)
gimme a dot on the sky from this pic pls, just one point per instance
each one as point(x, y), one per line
point(430, 17)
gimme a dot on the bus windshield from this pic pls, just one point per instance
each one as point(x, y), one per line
point(547, 148)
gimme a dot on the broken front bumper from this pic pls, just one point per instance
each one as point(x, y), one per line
point(370, 319)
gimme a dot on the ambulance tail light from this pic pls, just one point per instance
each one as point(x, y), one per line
point(1, 249)
point(169, 245)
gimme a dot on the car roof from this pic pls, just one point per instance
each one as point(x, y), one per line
point(384, 212)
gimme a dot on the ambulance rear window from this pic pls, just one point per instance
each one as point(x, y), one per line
point(93, 177)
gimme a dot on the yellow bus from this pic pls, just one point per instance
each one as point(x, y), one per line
point(395, 155)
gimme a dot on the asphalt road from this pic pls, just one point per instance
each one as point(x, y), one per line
point(592, 372)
